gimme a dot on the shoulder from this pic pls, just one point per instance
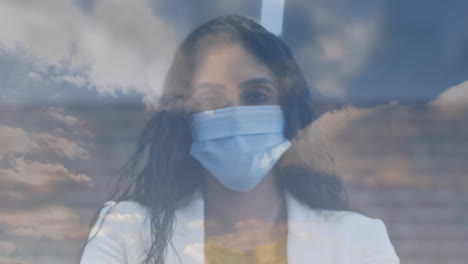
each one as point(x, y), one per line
point(116, 218)
point(345, 219)
point(124, 208)
point(366, 237)
point(118, 235)
point(353, 225)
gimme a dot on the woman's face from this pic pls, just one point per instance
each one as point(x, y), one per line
point(230, 76)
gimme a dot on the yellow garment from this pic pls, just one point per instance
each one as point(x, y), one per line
point(271, 253)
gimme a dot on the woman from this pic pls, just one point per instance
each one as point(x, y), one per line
point(210, 181)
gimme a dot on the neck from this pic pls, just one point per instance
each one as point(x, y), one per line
point(261, 210)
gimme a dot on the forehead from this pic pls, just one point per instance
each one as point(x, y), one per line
point(229, 63)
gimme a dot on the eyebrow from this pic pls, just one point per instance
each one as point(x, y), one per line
point(243, 85)
point(257, 81)
point(208, 85)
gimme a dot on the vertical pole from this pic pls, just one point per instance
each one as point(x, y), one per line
point(272, 15)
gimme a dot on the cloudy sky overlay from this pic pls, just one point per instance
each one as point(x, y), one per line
point(55, 159)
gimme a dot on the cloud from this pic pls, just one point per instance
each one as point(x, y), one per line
point(75, 80)
point(390, 145)
point(58, 114)
point(29, 25)
point(51, 221)
point(339, 46)
point(249, 233)
point(126, 217)
point(18, 141)
point(195, 251)
point(62, 146)
point(48, 130)
point(35, 165)
point(68, 124)
point(7, 248)
point(39, 174)
point(195, 224)
point(118, 46)
point(453, 100)
point(34, 77)
point(7, 260)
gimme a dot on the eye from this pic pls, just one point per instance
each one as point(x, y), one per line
point(255, 98)
point(209, 101)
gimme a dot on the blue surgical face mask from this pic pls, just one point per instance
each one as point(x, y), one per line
point(239, 145)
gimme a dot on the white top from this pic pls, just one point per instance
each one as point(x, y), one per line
point(331, 237)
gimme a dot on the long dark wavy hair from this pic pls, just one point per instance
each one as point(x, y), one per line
point(162, 172)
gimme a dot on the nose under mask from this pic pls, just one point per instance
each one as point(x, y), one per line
point(239, 145)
